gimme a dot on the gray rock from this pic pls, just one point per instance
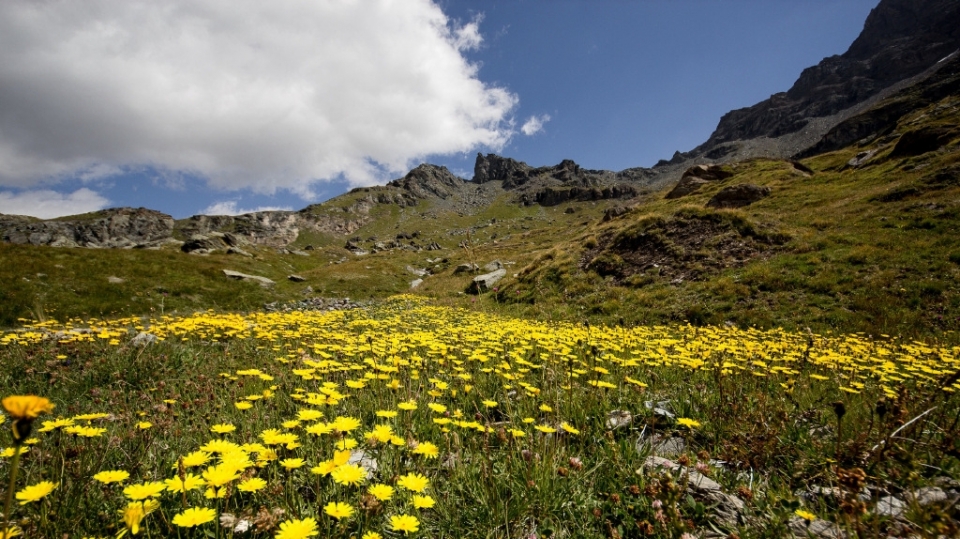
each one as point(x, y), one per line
point(238, 251)
point(493, 266)
point(927, 496)
point(738, 196)
point(817, 529)
point(861, 159)
point(143, 338)
point(726, 508)
point(660, 409)
point(299, 252)
point(696, 480)
point(483, 283)
point(618, 419)
point(419, 272)
point(115, 280)
point(466, 268)
point(296, 278)
point(364, 460)
point(891, 506)
point(201, 243)
point(263, 281)
point(415, 283)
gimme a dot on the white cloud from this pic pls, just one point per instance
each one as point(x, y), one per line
point(248, 94)
point(534, 124)
point(46, 204)
point(229, 207)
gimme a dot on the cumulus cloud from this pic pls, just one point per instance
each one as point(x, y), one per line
point(534, 124)
point(229, 207)
point(247, 94)
point(46, 204)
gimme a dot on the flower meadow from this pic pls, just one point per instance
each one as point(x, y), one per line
point(408, 419)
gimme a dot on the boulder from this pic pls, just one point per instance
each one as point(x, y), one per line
point(738, 196)
point(493, 266)
point(296, 278)
point(483, 283)
point(236, 275)
point(415, 283)
point(923, 140)
point(466, 268)
point(686, 186)
point(711, 173)
point(199, 242)
point(238, 251)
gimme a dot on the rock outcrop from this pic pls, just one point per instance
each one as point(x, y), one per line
point(113, 228)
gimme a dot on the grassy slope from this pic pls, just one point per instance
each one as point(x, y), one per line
point(854, 262)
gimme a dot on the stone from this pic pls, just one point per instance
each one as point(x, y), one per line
point(927, 496)
point(485, 282)
point(686, 186)
point(419, 272)
point(299, 252)
point(618, 419)
point(466, 268)
point(238, 251)
point(366, 461)
point(738, 196)
point(891, 506)
point(493, 266)
point(860, 159)
point(923, 140)
point(115, 280)
point(236, 275)
point(296, 278)
point(817, 529)
point(205, 244)
point(143, 338)
point(415, 283)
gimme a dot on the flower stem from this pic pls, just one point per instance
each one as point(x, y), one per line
point(10, 489)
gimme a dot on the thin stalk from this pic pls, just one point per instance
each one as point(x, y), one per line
point(13, 481)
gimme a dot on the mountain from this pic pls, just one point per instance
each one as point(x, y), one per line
point(903, 43)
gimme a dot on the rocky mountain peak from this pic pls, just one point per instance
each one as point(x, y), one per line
point(900, 39)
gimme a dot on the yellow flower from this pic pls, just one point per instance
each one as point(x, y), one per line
point(251, 485)
point(26, 406)
point(324, 468)
point(222, 428)
point(404, 523)
point(135, 512)
point(408, 405)
point(687, 422)
point(142, 491)
point(427, 449)
point(490, 403)
point(111, 476)
point(14, 531)
point(368, 535)
point(197, 458)
point(220, 475)
point(194, 517)
point(297, 529)
point(292, 464)
point(807, 515)
point(35, 492)
point(338, 510)
point(189, 482)
point(423, 502)
point(349, 474)
point(243, 405)
point(387, 413)
point(381, 492)
point(144, 425)
point(568, 428)
point(413, 481)
point(545, 429)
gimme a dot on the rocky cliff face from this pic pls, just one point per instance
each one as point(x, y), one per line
point(549, 186)
point(901, 40)
point(113, 228)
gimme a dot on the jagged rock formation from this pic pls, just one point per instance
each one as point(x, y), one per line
point(124, 228)
point(903, 43)
point(549, 186)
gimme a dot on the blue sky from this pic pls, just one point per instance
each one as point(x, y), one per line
point(197, 108)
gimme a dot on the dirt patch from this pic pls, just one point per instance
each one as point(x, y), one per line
point(689, 246)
